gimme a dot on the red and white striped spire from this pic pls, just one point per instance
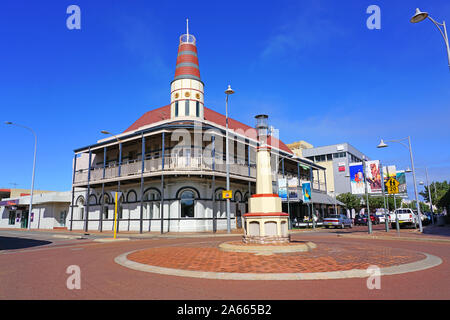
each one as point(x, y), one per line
point(187, 60)
point(187, 89)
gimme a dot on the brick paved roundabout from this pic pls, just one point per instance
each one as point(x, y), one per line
point(325, 261)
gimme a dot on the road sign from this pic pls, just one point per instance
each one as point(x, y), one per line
point(392, 186)
point(227, 194)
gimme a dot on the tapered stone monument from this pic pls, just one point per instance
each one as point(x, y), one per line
point(265, 223)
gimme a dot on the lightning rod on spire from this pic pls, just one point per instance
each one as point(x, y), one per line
point(187, 29)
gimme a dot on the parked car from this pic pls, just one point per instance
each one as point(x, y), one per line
point(426, 218)
point(380, 215)
point(360, 220)
point(406, 217)
point(337, 221)
point(374, 219)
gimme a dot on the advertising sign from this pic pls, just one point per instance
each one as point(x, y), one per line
point(389, 172)
point(373, 176)
point(282, 188)
point(356, 178)
point(401, 178)
point(306, 189)
point(293, 189)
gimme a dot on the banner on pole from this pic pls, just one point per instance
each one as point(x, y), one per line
point(373, 174)
point(282, 188)
point(293, 189)
point(356, 178)
point(306, 190)
point(401, 178)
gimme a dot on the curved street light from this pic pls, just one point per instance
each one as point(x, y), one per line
point(383, 144)
point(228, 92)
point(420, 16)
point(30, 210)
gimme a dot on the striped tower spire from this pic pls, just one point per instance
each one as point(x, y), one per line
point(187, 59)
point(187, 87)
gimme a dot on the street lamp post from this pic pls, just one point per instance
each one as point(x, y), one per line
point(429, 195)
point(386, 216)
point(30, 210)
point(420, 16)
point(369, 221)
point(228, 92)
point(382, 144)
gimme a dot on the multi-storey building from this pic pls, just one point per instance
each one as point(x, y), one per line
point(335, 159)
point(170, 165)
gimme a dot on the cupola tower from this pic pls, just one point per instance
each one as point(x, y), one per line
point(187, 89)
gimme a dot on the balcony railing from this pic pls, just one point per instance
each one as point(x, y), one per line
point(176, 163)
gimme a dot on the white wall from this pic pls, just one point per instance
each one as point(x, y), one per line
point(172, 208)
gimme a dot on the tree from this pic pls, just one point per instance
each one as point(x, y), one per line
point(412, 205)
point(376, 203)
point(444, 201)
point(438, 191)
point(350, 201)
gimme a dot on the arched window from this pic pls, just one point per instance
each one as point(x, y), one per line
point(92, 199)
point(187, 204)
point(197, 109)
point(107, 199)
point(131, 196)
point(220, 204)
point(176, 108)
point(152, 195)
point(238, 196)
point(80, 204)
point(152, 199)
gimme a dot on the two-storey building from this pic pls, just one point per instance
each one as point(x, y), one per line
point(170, 167)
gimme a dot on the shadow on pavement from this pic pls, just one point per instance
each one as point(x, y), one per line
point(437, 230)
point(10, 243)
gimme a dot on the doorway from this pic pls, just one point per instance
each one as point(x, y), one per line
point(24, 220)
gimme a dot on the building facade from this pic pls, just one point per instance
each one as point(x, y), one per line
point(50, 211)
point(335, 159)
point(169, 166)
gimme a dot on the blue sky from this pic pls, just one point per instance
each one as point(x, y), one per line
point(313, 66)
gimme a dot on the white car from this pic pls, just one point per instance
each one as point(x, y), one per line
point(406, 217)
point(337, 221)
point(380, 215)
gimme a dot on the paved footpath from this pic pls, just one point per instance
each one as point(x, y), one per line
point(39, 271)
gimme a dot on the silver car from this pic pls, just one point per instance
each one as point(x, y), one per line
point(337, 221)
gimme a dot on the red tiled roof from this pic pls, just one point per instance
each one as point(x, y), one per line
point(163, 113)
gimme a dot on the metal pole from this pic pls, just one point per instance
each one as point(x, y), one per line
point(213, 186)
point(118, 182)
point(141, 209)
point(429, 196)
point(32, 182)
point(312, 203)
point(88, 193)
point(162, 183)
point(397, 225)
point(369, 221)
point(73, 190)
point(228, 168)
point(386, 219)
point(415, 186)
point(30, 209)
point(446, 43)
